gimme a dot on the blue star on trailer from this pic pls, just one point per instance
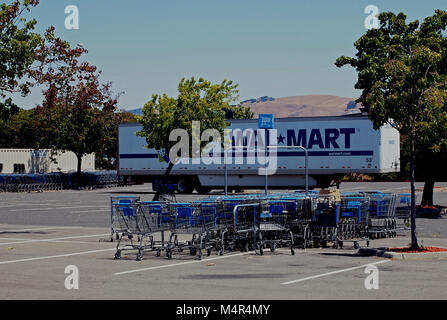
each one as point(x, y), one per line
point(281, 139)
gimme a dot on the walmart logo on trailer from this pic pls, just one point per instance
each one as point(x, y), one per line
point(323, 139)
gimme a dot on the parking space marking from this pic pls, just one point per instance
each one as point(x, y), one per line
point(86, 211)
point(181, 263)
point(56, 256)
point(39, 229)
point(334, 272)
point(55, 239)
point(56, 208)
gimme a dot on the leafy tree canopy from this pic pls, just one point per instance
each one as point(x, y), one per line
point(402, 70)
point(198, 100)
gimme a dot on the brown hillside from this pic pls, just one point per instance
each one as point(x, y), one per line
point(304, 106)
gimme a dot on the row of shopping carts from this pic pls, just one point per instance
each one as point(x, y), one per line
point(39, 182)
point(251, 222)
point(32, 182)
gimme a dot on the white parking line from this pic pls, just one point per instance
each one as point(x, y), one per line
point(180, 263)
point(38, 229)
point(56, 208)
point(334, 272)
point(54, 239)
point(56, 256)
point(101, 210)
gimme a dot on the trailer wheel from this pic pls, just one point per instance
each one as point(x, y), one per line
point(184, 186)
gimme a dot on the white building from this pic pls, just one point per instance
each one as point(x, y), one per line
point(38, 161)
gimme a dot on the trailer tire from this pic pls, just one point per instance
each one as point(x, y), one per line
point(185, 186)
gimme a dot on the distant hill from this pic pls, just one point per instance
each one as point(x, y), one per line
point(298, 106)
point(137, 111)
point(303, 106)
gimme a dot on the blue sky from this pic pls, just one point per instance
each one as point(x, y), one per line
point(276, 48)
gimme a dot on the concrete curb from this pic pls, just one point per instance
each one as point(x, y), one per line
point(381, 252)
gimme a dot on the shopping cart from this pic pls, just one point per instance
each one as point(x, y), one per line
point(114, 219)
point(243, 233)
point(272, 225)
point(352, 220)
point(382, 215)
point(159, 220)
point(324, 221)
point(197, 220)
point(403, 207)
point(131, 221)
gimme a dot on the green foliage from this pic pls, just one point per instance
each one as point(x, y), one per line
point(74, 129)
point(238, 112)
point(20, 131)
point(198, 100)
point(402, 72)
point(18, 45)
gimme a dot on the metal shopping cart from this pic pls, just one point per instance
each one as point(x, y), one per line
point(136, 225)
point(382, 215)
point(197, 220)
point(352, 220)
point(324, 220)
point(272, 225)
point(114, 219)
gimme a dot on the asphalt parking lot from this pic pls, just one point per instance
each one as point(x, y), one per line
point(43, 233)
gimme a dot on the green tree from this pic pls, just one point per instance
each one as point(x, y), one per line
point(197, 100)
point(20, 52)
point(238, 112)
point(20, 131)
point(402, 70)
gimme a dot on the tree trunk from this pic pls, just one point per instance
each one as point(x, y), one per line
point(427, 195)
point(414, 240)
point(79, 172)
point(165, 176)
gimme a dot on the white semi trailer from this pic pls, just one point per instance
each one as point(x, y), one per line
point(336, 146)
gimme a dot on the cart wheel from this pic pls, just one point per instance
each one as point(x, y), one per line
point(208, 252)
point(356, 245)
point(118, 255)
point(272, 247)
